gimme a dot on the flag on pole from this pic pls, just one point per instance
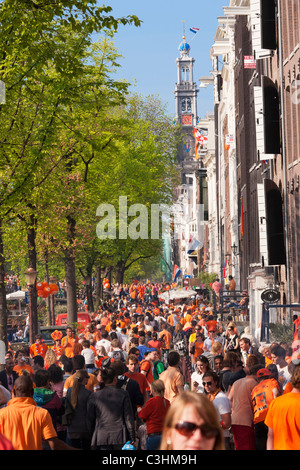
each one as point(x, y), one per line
point(197, 134)
point(193, 244)
point(177, 272)
point(224, 270)
point(194, 30)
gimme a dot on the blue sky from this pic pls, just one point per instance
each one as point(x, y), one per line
point(149, 51)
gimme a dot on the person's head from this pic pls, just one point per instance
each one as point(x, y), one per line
point(20, 357)
point(42, 378)
point(86, 343)
point(132, 363)
point(38, 339)
point(157, 388)
point(115, 343)
point(210, 381)
point(216, 348)
point(37, 363)
point(69, 331)
point(109, 376)
point(192, 423)
point(263, 374)
point(232, 359)
point(78, 362)
point(173, 358)
point(50, 357)
point(218, 362)
point(118, 366)
point(155, 355)
point(56, 374)
point(67, 363)
point(9, 365)
point(295, 379)
point(23, 386)
point(273, 370)
point(245, 344)
point(202, 364)
point(149, 354)
point(278, 354)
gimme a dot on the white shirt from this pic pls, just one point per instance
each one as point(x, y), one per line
point(105, 343)
point(223, 406)
point(88, 355)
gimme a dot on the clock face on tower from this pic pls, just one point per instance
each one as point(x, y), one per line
point(186, 120)
point(186, 105)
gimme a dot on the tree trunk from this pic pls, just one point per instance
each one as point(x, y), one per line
point(3, 303)
point(89, 293)
point(32, 257)
point(119, 272)
point(99, 290)
point(70, 273)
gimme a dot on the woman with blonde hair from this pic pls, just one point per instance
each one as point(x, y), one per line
point(50, 358)
point(192, 423)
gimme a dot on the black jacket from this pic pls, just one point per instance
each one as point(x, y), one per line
point(3, 378)
point(111, 415)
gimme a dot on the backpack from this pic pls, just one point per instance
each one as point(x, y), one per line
point(118, 356)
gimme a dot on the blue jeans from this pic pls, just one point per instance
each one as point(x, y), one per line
point(153, 442)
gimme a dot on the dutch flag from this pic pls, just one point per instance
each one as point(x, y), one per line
point(177, 272)
point(194, 30)
point(193, 243)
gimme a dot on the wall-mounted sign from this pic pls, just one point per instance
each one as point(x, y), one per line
point(249, 62)
point(270, 295)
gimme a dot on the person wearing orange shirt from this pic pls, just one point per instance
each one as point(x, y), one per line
point(69, 341)
point(79, 363)
point(21, 364)
point(146, 366)
point(262, 395)
point(22, 413)
point(165, 336)
point(39, 348)
point(283, 418)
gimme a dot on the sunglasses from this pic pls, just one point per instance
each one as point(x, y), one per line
point(207, 383)
point(187, 429)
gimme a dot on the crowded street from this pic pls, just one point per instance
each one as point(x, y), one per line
point(149, 229)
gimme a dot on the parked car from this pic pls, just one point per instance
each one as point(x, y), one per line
point(83, 319)
point(46, 333)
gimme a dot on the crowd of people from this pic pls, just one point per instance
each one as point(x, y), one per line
point(150, 376)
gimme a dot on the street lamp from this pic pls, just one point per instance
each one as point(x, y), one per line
point(234, 249)
point(30, 276)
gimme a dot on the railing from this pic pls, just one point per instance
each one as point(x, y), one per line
point(227, 298)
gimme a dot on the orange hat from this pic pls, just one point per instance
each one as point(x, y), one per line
point(56, 335)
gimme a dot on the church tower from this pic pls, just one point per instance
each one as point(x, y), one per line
point(186, 108)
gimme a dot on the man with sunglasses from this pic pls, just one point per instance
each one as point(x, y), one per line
point(220, 401)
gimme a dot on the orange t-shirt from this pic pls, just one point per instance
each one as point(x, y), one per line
point(146, 366)
point(262, 396)
point(38, 349)
point(139, 378)
point(19, 369)
point(92, 385)
point(284, 418)
point(167, 338)
point(25, 424)
point(68, 344)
